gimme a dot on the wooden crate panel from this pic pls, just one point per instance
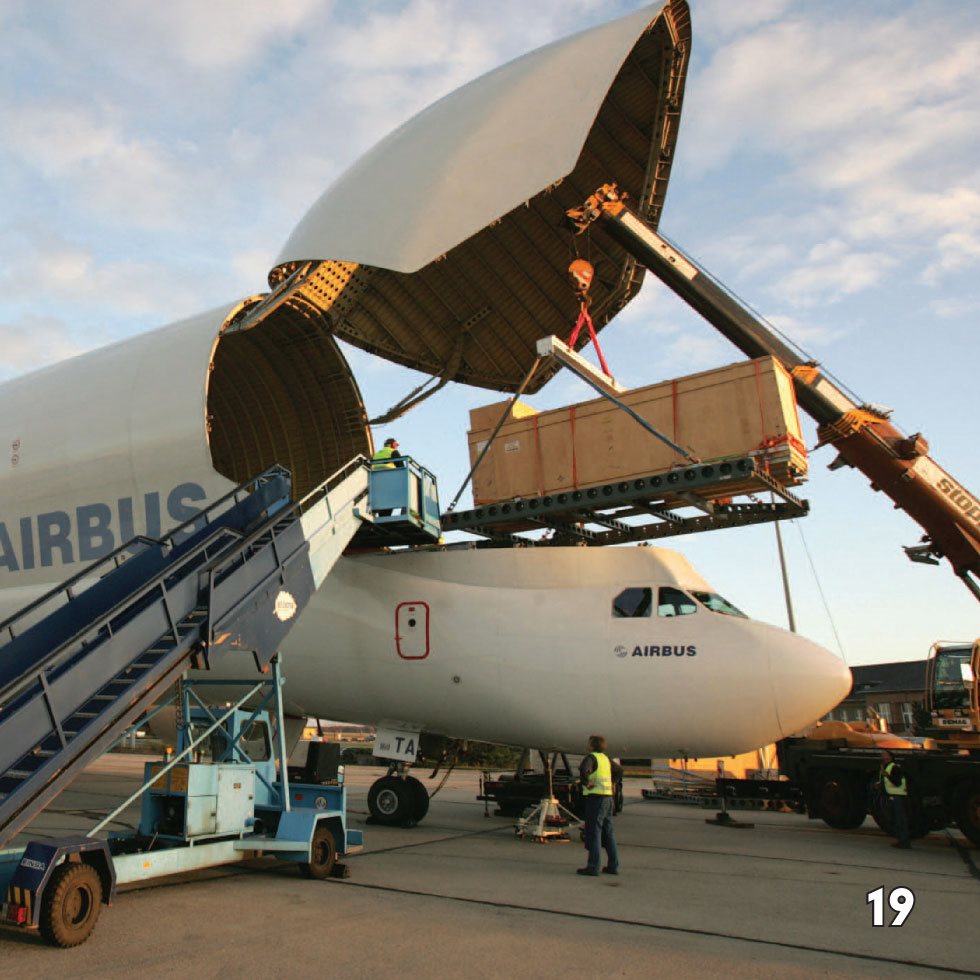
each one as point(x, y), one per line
point(748, 407)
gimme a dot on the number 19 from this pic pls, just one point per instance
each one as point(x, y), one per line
point(900, 900)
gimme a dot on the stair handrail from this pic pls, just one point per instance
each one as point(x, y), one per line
point(296, 509)
point(348, 469)
point(273, 472)
point(15, 686)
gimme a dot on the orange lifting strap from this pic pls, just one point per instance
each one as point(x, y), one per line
point(581, 273)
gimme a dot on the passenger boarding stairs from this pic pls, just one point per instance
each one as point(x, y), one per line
point(82, 663)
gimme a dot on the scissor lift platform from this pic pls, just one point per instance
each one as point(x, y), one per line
point(681, 500)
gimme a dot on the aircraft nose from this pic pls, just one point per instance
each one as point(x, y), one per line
point(808, 681)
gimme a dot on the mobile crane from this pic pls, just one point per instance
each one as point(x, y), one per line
point(896, 464)
point(835, 777)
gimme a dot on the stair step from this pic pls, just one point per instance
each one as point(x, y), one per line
point(44, 753)
point(17, 774)
point(103, 697)
point(86, 714)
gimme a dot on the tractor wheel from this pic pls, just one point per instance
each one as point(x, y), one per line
point(71, 904)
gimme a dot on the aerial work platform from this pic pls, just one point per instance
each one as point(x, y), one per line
point(658, 505)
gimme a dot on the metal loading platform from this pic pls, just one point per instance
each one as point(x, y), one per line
point(82, 663)
point(403, 506)
point(658, 505)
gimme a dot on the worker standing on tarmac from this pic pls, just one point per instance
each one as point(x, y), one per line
point(895, 784)
point(599, 775)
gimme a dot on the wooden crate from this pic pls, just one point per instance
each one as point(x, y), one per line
point(743, 408)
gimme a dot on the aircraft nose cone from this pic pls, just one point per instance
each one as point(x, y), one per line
point(808, 681)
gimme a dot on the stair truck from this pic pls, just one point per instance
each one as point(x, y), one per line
point(99, 654)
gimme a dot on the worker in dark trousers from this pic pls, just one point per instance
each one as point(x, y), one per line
point(895, 785)
point(598, 775)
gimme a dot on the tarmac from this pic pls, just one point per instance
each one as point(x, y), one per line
point(461, 896)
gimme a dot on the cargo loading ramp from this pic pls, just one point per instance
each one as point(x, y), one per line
point(681, 500)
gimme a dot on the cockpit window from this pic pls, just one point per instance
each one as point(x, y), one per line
point(633, 603)
point(673, 602)
point(717, 604)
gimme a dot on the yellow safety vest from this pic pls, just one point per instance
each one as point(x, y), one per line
point(600, 782)
point(890, 788)
point(382, 454)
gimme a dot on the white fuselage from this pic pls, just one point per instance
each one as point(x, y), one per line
point(520, 646)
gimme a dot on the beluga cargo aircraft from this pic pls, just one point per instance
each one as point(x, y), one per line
point(440, 249)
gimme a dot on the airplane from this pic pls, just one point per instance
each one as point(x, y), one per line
point(440, 249)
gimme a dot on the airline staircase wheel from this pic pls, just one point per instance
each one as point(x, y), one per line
point(71, 904)
point(323, 853)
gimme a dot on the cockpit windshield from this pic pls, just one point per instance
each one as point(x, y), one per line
point(717, 604)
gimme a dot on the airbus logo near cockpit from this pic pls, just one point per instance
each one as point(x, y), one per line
point(656, 650)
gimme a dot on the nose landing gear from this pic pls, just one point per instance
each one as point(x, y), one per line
point(397, 799)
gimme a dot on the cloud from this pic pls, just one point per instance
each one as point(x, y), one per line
point(73, 276)
point(957, 250)
point(833, 269)
point(874, 118)
point(956, 306)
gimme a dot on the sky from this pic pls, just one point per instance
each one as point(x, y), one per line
point(155, 157)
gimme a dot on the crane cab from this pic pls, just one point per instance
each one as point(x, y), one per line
point(952, 694)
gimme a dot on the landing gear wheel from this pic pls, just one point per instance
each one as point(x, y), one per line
point(392, 802)
point(966, 810)
point(71, 905)
point(323, 853)
point(420, 798)
point(841, 800)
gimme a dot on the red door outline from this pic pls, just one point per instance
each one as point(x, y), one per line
point(409, 619)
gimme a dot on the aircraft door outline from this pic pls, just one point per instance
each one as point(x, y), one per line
point(412, 630)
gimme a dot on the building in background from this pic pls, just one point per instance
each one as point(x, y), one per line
point(889, 691)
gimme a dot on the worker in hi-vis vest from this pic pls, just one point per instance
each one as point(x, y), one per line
point(382, 459)
point(599, 776)
point(896, 787)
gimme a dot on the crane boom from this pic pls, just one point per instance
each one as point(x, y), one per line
point(897, 465)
